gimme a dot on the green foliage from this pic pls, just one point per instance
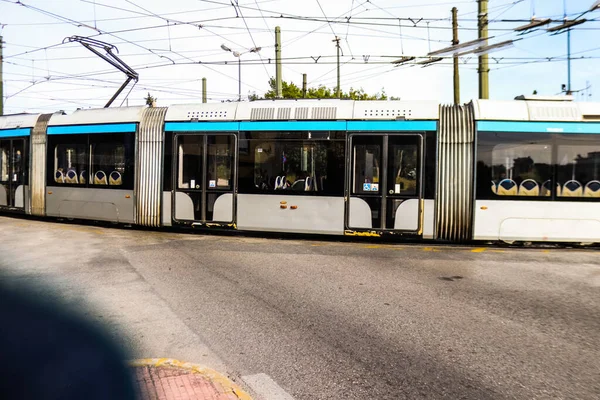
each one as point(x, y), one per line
point(150, 100)
point(291, 91)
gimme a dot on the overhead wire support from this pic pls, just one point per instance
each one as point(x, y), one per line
point(111, 58)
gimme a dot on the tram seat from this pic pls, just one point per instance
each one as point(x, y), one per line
point(507, 187)
point(529, 187)
point(280, 182)
point(71, 177)
point(100, 178)
point(308, 184)
point(82, 177)
point(572, 189)
point(494, 188)
point(299, 185)
point(59, 177)
point(115, 178)
point(592, 189)
point(547, 189)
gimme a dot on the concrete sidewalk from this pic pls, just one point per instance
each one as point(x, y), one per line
point(162, 378)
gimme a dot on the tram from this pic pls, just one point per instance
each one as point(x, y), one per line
point(522, 170)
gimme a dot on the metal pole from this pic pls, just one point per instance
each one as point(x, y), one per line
point(204, 90)
point(569, 61)
point(303, 86)
point(239, 78)
point(1, 80)
point(337, 44)
point(454, 43)
point(484, 83)
point(278, 90)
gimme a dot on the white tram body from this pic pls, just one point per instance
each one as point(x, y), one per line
point(546, 186)
point(523, 170)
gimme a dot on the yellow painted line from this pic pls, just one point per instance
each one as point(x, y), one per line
point(212, 375)
point(431, 249)
point(373, 246)
point(478, 250)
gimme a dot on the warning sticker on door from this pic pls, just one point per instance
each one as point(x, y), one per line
point(212, 184)
point(366, 187)
point(375, 187)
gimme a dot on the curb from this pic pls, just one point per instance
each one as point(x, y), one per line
point(210, 374)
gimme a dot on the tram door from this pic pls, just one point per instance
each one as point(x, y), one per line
point(204, 176)
point(385, 182)
point(12, 172)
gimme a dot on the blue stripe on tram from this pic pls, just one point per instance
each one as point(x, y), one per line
point(539, 127)
point(16, 132)
point(88, 129)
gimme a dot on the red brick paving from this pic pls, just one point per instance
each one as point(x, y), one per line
point(166, 383)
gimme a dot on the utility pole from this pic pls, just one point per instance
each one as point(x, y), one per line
point(239, 79)
point(484, 83)
point(204, 90)
point(337, 45)
point(454, 43)
point(278, 91)
point(568, 50)
point(303, 86)
point(1, 80)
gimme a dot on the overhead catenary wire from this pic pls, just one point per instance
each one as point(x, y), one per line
point(364, 24)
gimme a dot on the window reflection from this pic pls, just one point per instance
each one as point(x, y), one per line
point(578, 167)
point(538, 165)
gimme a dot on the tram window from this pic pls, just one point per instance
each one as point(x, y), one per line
point(578, 166)
point(220, 159)
point(70, 164)
point(189, 158)
point(111, 160)
point(17, 160)
point(297, 166)
point(404, 159)
point(430, 166)
point(168, 162)
point(366, 168)
point(4, 152)
point(511, 164)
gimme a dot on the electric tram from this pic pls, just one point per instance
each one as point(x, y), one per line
point(522, 170)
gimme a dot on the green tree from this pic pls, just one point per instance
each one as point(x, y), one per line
point(150, 100)
point(291, 91)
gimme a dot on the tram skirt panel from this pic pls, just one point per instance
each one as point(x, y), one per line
point(455, 173)
point(148, 173)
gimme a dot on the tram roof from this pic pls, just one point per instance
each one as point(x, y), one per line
point(536, 110)
point(98, 116)
point(16, 121)
point(305, 110)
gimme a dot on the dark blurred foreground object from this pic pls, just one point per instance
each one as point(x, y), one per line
point(48, 353)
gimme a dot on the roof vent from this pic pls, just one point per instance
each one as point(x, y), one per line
point(301, 113)
point(324, 112)
point(284, 113)
point(262, 113)
point(553, 112)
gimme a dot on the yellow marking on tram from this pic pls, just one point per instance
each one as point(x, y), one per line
point(368, 234)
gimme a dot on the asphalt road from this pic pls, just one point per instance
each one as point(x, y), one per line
point(330, 320)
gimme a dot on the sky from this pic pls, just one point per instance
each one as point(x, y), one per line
point(173, 44)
